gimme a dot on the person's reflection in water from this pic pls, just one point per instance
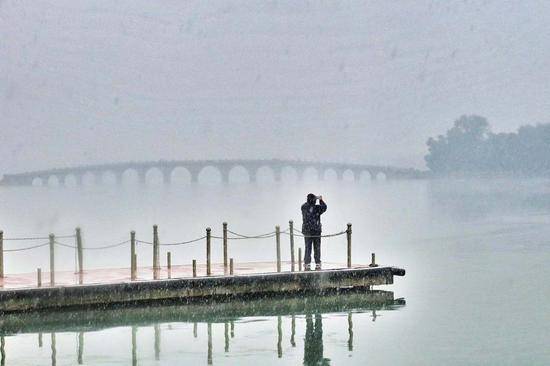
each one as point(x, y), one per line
point(313, 342)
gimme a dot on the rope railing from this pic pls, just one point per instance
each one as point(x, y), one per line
point(93, 248)
point(26, 248)
point(302, 235)
point(227, 235)
point(172, 244)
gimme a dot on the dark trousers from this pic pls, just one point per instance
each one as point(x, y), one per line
point(316, 243)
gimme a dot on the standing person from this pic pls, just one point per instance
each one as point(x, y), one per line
point(311, 228)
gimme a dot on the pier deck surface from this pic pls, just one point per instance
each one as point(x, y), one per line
point(121, 275)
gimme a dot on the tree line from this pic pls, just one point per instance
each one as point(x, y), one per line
point(470, 148)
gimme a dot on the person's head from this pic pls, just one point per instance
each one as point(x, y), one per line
point(311, 198)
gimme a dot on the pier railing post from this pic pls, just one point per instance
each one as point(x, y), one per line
point(169, 264)
point(373, 260)
point(132, 255)
point(156, 266)
point(1, 254)
point(39, 277)
point(231, 267)
point(52, 259)
point(278, 242)
point(194, 268)
point(291, 233)
point(225, 247)
point(80, 255)
point(348, 235)
point(300, 259)
point(208, 268)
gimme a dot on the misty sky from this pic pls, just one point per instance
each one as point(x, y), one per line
point(98, 81)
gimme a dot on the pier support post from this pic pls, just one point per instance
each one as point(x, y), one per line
point(373, 260)
point(39, 277)
point(52, 259)
point(80, 255)
point(169, 264)
point(225, 247)
point(348, 235)
point(1, 254)
point(208, 268)
point(291, 232)
point(278, 242)
point(194, 268)
point(231, 267)
point(300, 259)
point(132, 255)
point(156, 265)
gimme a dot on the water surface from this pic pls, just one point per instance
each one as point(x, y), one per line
point(476, 255)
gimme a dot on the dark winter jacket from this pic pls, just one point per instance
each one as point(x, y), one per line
point(311, 217)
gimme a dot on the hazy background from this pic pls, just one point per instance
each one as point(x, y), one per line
point(98, 81)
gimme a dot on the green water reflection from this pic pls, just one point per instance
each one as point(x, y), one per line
point(230, 314)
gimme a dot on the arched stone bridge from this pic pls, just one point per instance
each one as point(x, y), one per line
point(117, 171)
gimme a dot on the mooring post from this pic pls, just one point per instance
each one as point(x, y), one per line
point(156, 265)
point(300, 259)
point(194, 268)
point(373, 260)
point(208, 269)
point(78, 235)
point(169, 264)
point(348, 235)
point(52, 260)
point(225, 247)
point(278, 241)
point(132, 255)
point(1, 254)
point(39, 277)
point(291, 232)
point(231, 267)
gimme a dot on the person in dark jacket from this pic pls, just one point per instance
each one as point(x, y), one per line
point(311, 228)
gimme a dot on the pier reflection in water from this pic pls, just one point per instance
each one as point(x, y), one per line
point(303, 312)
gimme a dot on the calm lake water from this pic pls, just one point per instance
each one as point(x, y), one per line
point(477, 256)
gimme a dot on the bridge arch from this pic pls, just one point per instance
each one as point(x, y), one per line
point(210, 174)
point(154, 176)
point(53, 181)
point(381, 176)
point(181, 175)
point(239, 174)
point(290, 174)
point(310, 174)
point(348, 175)
point(330, 175)
point(70, 180)
point(129, 176)
point(365, 176)
point(108, 177)
point(37, 182)
point(265, 174)
point(88, 178)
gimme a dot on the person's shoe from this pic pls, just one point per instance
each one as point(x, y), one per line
point(318, 267)
point(307, 267)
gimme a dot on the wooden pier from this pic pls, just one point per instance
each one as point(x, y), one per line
point(248, 281)
point(193, 282)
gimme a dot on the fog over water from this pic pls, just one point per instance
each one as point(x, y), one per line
point(93, 82)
